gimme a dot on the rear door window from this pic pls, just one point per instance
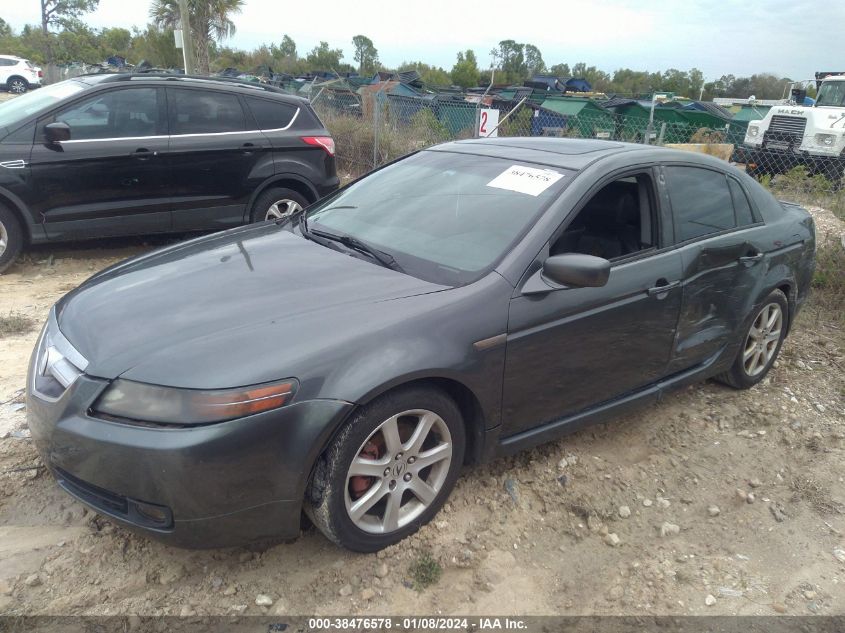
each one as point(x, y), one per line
point(204, 112)
point(744, 216)
point(271, 115)
point(701, 202)
point(120, 113)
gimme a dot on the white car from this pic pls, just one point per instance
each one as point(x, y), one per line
point(18, 75)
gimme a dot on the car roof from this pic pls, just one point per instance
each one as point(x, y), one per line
point(226, 83)
point(571, 153)
point(20, 59)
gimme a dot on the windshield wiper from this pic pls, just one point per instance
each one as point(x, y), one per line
point(385, 259)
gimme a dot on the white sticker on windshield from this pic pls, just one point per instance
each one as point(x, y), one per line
point(525, 180)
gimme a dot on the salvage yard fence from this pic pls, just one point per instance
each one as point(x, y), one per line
point(376, 127)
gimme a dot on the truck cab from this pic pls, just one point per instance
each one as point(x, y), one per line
point(792, 135)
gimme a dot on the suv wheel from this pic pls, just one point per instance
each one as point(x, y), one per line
point(389, 470)
point(17, 85)
point(277, 203)
point(11, 238)
point(761, 343)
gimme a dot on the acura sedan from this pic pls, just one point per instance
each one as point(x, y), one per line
point(467, 301)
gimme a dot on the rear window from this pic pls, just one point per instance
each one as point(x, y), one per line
point(271, 115)
point(204, 112)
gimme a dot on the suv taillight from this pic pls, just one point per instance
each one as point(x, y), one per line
point(326, 142)
point(40, 73)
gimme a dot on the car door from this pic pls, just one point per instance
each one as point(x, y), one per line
point(215, 155)
point(111, 177)
point(719, 239)
point(569, 349)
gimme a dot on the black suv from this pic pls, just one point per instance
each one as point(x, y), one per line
point(129, 154)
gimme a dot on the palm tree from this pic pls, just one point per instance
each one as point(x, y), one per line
point(209, 21)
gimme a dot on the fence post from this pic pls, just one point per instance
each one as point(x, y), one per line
point(662, 132)
point(376, 108)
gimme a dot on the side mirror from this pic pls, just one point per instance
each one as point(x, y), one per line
point(577, 270)
point(57, 132)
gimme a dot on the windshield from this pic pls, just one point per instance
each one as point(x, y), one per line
point(832, 93)
point(19, 108)
point(444, 217)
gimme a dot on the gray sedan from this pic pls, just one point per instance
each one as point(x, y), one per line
point(466, 301)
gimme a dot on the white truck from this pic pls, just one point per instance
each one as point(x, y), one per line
point(793, 134)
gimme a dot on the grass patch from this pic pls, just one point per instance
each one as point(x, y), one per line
point(829, 277)
point(425, 571)
point(811, 491)
point(15, 323)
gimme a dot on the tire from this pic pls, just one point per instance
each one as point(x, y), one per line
point(277, 203)
point(385, 501)
point(11, 238)
point(762, 339)
point(17, 85)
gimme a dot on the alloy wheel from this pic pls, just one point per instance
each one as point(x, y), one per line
point(763, 338)
point(282, 209)
point(17, 86)
point(398, 471)
point(4, 239)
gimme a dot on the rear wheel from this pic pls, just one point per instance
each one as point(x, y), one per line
point(11, 238)
point(277, 203)
point(17, 85)
point(389, 470)
point(761, 343)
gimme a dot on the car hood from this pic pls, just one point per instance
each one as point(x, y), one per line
point(207, 313)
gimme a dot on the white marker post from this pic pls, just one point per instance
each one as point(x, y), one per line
point(488, 123)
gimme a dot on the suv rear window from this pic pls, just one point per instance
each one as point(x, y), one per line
point(271, 115)
point(204, 112)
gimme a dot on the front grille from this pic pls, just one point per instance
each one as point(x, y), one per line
point(788, 126)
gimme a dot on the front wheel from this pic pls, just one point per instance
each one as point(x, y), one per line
point(277, 203)
point(389, 470)
point(761, 343)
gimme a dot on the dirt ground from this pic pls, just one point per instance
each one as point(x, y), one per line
point(714, 501)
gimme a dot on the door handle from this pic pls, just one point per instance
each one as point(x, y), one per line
point(751, 259)
point(142, 153)
point(248, 148)
point(663, 287)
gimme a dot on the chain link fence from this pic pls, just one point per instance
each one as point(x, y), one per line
point(375, 127)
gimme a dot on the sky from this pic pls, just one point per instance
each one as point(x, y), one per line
point(738, 37)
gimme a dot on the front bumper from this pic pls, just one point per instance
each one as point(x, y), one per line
point(217, 485)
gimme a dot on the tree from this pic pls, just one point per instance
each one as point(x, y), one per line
point(115, 41)
point(430, 75)
point(61, 13)
point(509, 57)
point(157, 46)
point(288, 47)
point(210, 22)
point(5, 29)
point(324, 58)
point(465, 71)
point(534, 60)
point(366, 54)
point(560, 70)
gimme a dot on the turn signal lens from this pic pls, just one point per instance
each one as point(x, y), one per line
point(130, 400)
point(326, 142)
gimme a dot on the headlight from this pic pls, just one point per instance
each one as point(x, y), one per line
point(168, 405)
point(753, 130)
point(828, 140)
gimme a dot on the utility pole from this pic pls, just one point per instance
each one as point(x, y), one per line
point(187, 37)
